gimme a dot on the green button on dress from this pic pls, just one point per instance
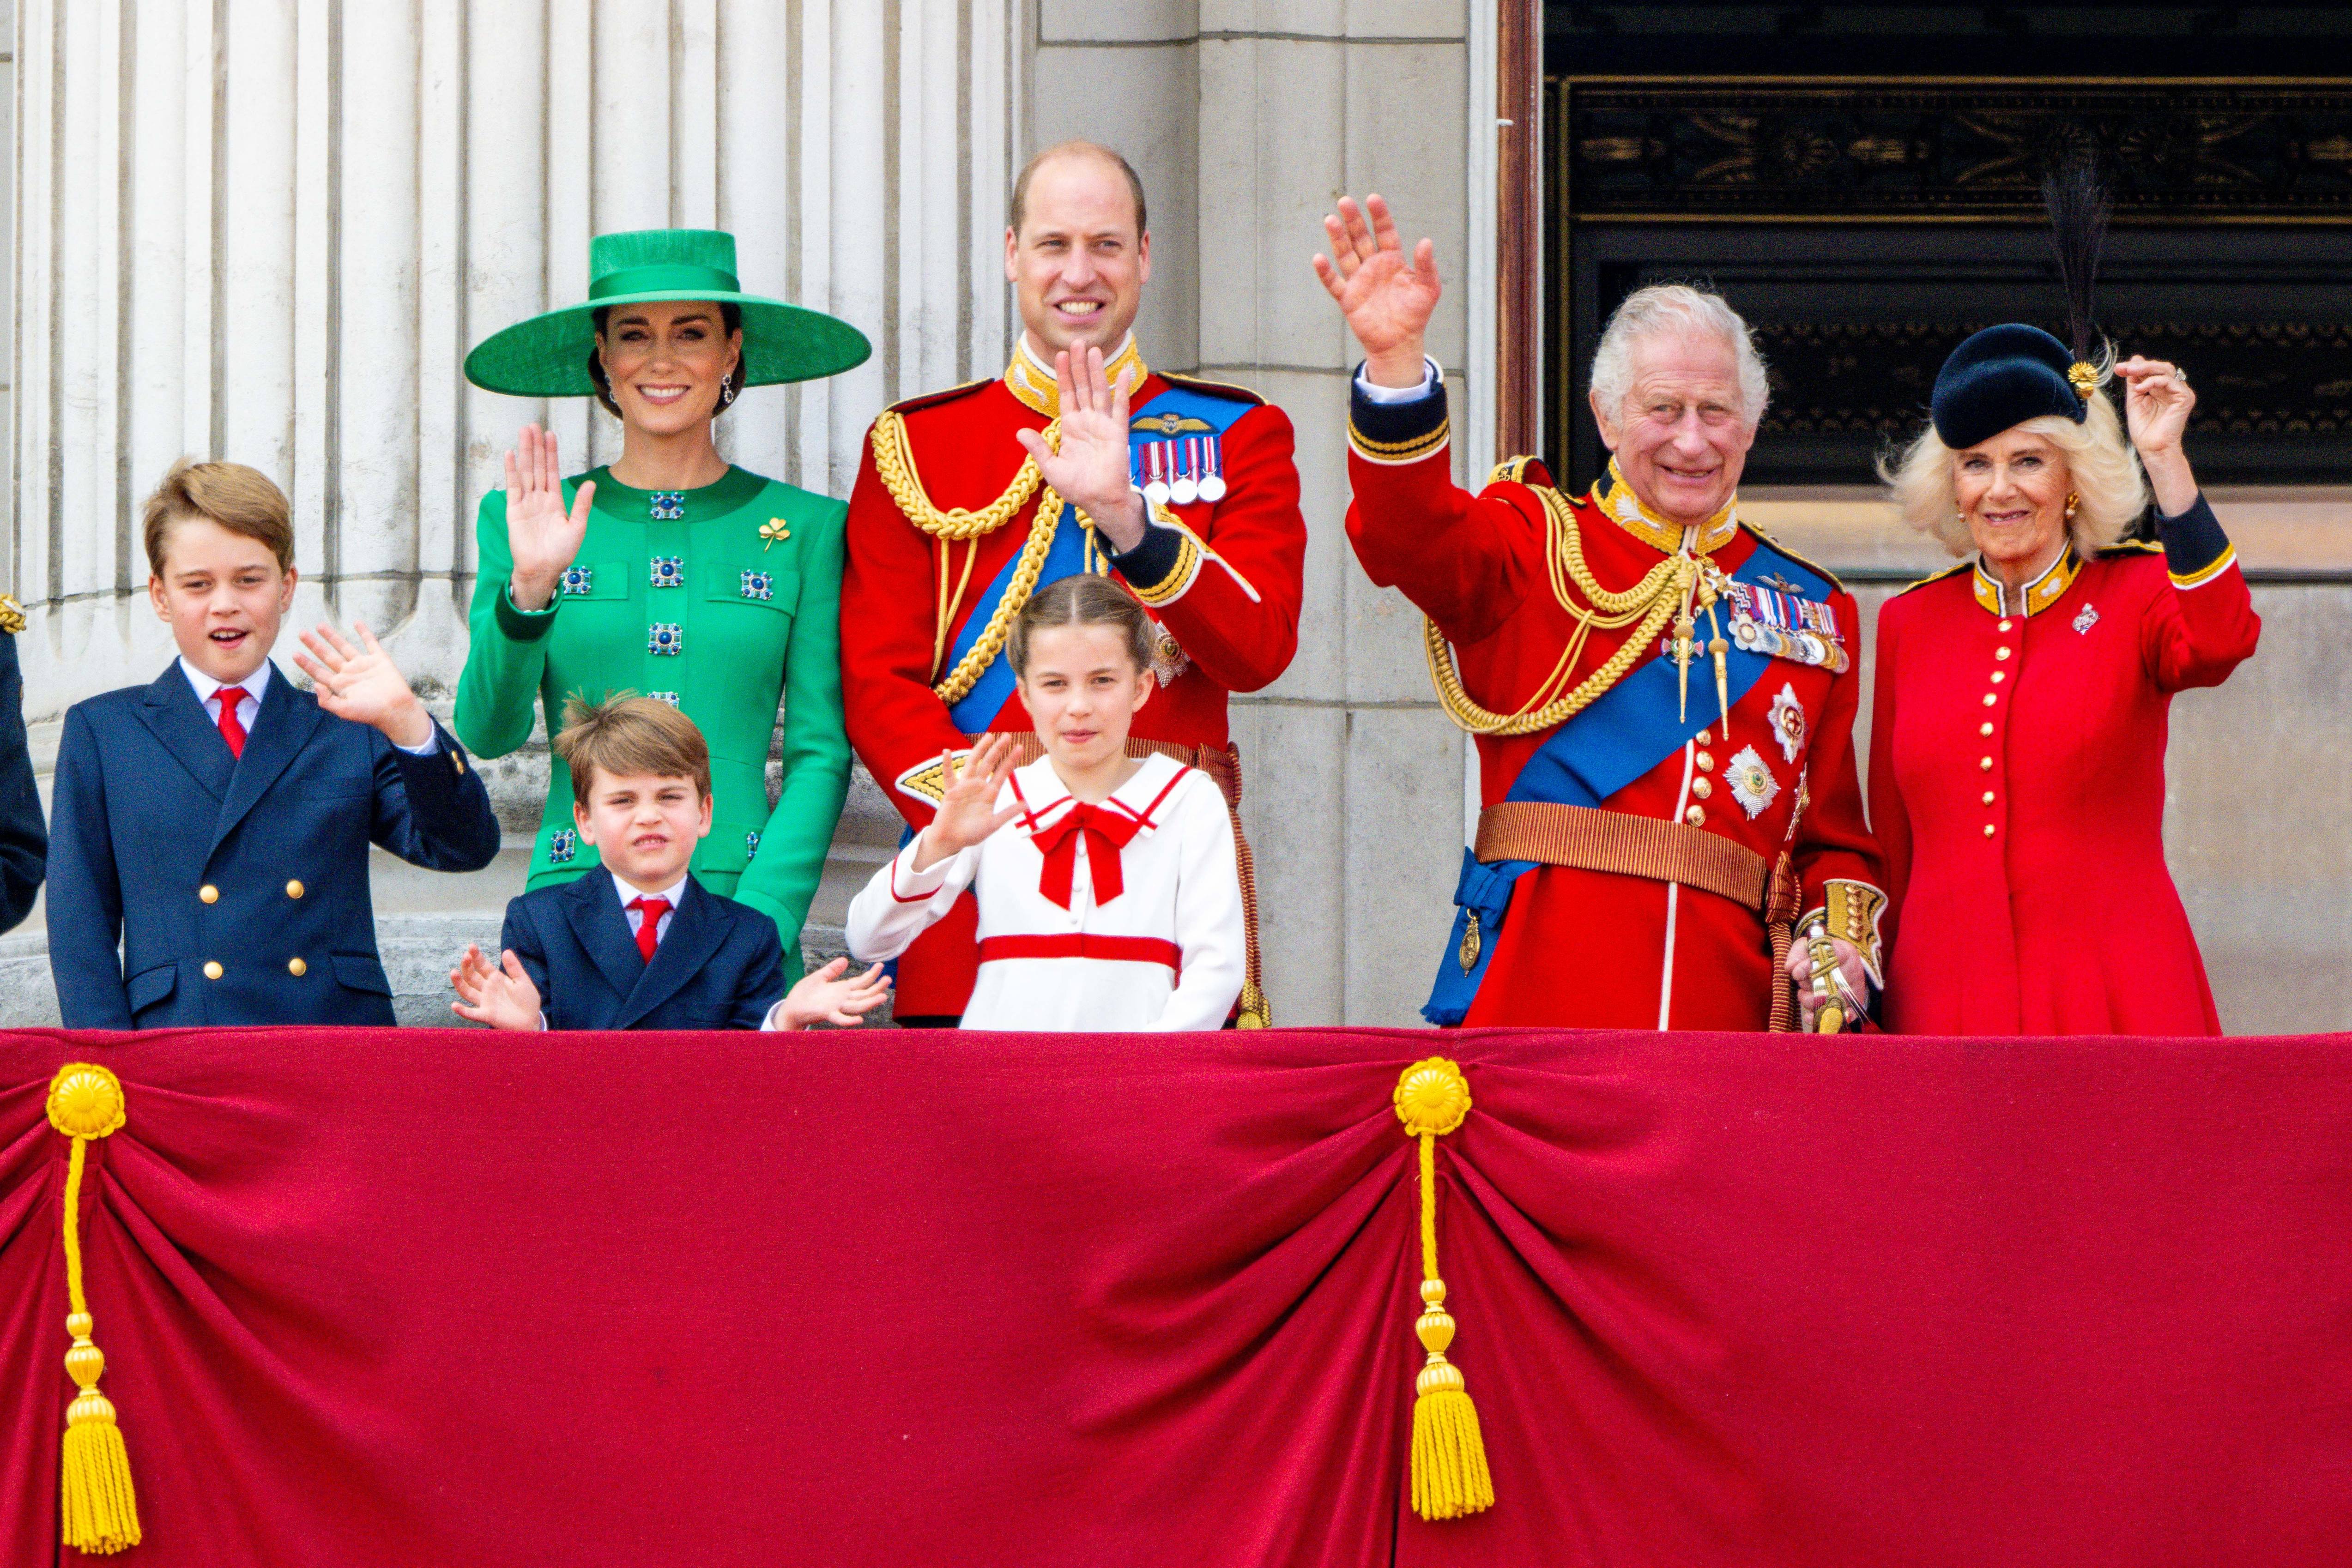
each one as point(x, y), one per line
point(721, 599)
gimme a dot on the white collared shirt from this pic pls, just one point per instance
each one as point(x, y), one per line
point(248, 701)
point(248, 692)
point(675, 892)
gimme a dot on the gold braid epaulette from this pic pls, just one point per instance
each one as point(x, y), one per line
point(1653, 601)
point(894, 462)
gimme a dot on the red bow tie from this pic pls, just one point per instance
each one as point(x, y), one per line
point(1107, 833)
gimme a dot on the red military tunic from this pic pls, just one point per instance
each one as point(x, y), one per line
point(1599, 948)
point(2017, 786)
point(1225, 587)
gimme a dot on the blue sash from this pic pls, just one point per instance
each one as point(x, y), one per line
point(1177, 413)
point(1628, 730)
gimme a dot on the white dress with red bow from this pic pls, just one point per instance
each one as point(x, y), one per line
point(1125, 915)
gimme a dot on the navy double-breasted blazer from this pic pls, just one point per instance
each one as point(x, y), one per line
point(24, 842)
point(237, 885)
point(720, 967)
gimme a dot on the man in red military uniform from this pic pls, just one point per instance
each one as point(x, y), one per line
point(1080, 459)
point(1664, 698)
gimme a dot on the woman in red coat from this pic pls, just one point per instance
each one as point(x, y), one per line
point(2017, 747)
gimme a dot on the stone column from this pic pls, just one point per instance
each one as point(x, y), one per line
point(1246, 119)
point(268, 230)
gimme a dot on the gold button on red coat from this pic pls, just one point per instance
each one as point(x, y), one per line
point(1992, 697)
point(1705, 760)
point(1695, 816)
point(1987, 797)
point(1988, 830)
point(1985, 729)
point(1999, 676)
point(1702, 787)
point(2001, 652)
point(1985, 763)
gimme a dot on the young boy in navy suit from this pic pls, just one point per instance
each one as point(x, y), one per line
point(215, 822)
point(643, 944)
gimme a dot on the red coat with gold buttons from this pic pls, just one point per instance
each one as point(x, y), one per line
point(2017, 789)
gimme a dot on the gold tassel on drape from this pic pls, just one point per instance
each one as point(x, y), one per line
point(98, 1512)
point(1449, 1457)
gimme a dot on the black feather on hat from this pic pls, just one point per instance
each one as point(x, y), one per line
point(2005, 375)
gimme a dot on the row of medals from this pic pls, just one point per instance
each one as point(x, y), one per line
point(1184, 472)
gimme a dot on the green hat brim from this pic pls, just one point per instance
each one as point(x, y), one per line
point(546, 356)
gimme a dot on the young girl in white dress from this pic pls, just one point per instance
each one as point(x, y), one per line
point(1109, 898)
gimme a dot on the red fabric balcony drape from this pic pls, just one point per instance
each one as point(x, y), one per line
point(888, 1298)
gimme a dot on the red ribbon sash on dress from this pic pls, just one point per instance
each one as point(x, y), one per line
point(1107, 833)
point(1084, 944)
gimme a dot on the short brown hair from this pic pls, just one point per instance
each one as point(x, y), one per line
point(238, 499)
point(1084, 600)
point(625, 734)
point(1064, 149)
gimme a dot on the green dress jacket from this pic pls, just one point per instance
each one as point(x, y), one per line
point(719, 601)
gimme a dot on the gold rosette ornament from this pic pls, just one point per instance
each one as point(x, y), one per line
point(98, 1512)
point(1450, 1478)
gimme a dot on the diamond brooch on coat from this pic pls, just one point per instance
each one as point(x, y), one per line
point(2086, 621)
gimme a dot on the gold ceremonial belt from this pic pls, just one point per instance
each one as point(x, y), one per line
point(1589, 840)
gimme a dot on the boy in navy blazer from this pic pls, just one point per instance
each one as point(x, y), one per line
point(216, 822)
point(642, 945)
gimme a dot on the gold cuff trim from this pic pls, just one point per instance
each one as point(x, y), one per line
point(1173, 587)
point(12, 616)
point(1396, 454)
point(927, 781)
point(1852, 911)
point(2199, 578)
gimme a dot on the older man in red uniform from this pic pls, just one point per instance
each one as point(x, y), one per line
point(1664, 698)
point(1080, 459)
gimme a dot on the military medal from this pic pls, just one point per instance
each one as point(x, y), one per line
point(1155, 471)
point(1751, 781)
point(1212, 463)
point(1187, 488)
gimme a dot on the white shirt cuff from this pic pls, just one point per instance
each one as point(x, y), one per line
point(774, 1022)
point(1429, 376)
point(432, 744)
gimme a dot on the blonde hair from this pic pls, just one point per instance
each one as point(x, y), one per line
point(1083, 600)
point(628, 736)
point(238, 499)
point(2101, 470)
point(1675, 309)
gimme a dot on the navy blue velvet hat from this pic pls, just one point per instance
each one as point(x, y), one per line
point(2003, 377)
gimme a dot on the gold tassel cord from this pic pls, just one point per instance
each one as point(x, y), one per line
point(98, 1512)
point(1654, 602)
point(1450, 1478)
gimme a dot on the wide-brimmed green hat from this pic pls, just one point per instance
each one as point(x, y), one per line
point(546, 356)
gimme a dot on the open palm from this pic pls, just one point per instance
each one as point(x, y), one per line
point(543, 535)
point(1386, 298)
point(968, 812)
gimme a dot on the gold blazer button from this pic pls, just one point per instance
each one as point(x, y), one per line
point(209, 893)
point(211, 969)
point(294, 890)
point(295, 967)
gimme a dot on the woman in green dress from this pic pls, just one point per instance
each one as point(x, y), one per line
point(671, 572)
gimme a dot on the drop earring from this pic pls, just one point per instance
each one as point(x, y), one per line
point(2072, 502)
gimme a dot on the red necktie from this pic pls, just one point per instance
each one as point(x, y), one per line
point(231, 730)
point(650, 927)
point(1107, 833)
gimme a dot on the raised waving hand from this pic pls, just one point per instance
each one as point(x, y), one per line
point(1387, 299)
point(1091, 471)
point(968, 812)
point(2156, 404)
point(542, 535)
